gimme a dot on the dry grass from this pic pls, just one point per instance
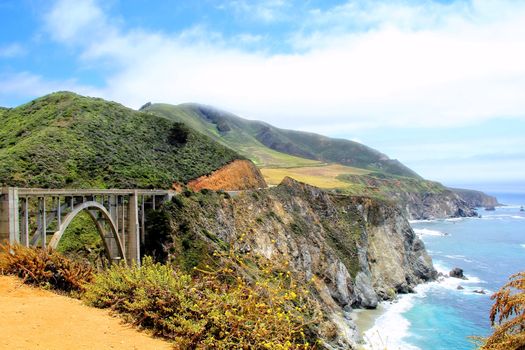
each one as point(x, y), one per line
point(324, 176)
point(44, 268)
point(508, 317)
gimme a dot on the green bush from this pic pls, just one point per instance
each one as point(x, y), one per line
point(209, 311)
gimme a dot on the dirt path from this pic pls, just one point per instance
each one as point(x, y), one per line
point(31, 318)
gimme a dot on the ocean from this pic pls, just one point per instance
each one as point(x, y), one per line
point(440, 316)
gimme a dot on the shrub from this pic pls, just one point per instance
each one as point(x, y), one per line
point(508, 317)
point(44, 268)
point(208, 311)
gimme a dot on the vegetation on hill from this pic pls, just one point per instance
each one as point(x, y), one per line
point(383, 185)
point(216, 310)
point(267, 145)
point(67, 140)
point(209, 309)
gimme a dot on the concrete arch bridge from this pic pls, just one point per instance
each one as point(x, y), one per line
point(39, 217)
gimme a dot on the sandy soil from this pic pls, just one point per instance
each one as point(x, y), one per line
point(31, 318)
point(238, 175)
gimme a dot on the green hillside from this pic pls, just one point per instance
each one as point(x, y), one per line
point(269, 146)
point(67, 140)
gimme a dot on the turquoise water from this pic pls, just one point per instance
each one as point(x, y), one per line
point(441, 317)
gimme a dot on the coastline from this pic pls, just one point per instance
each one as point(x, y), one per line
point(365, 320)
point(386, 326)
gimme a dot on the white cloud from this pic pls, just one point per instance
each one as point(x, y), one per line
point(24, 84)
point(12, 50)
point(456, 65)
point(73, 20)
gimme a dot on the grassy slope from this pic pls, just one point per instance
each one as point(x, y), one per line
point(239, 138)
point(269, 146)
point(372, 178)
point(326, 176)
point(382, 186)
point(66, 140)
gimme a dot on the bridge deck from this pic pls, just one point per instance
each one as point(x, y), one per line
point(27, 215)
point(85, 192)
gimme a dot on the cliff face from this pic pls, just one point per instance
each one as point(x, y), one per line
point(429, 205)
point(417, 198)
point(237, 175)
point(356, 250)
point(476, 198)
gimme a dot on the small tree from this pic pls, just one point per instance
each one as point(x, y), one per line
point(508, 317)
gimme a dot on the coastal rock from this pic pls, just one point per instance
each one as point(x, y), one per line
point(479, 291)
point(476, 199)
point(457, 273)
point(460, 287)
point(354, 251)
point(364, 293)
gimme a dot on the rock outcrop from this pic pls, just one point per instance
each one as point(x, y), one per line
point(235, 176)
point(457, 273)
point(476, 199)
point(431, 205)
point(417, 198)
point(356, 251)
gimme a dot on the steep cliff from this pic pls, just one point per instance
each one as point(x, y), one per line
point(476, 199)
point(430, 205)
point(417, 198)
point(355, 250)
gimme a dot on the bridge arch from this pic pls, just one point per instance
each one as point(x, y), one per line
point(92, 207)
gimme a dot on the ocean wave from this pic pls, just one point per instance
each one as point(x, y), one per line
point(421, 221)
point(428, 232)
point(391, 327)
point(454, 219)
point(522, 245)
point(459, 257)
point(503, 217)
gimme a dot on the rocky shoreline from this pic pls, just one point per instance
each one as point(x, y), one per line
point(356, 251)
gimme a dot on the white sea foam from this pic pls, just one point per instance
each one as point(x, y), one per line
point(522, 245)
point(391, 328)
point(421, 221)
point(427, 232)
point(459, 257)
point(454, 219)
point(503, 217)
point(511, 206)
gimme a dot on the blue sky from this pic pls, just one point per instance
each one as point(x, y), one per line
point(439, 85)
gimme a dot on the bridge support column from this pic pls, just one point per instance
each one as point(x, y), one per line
point(133, 241)
point(9, 220)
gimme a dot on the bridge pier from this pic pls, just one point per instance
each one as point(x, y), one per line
point(9, 218)
point(133, 229)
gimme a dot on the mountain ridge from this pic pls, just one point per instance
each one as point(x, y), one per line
point(253, 133)
point(336, 164)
